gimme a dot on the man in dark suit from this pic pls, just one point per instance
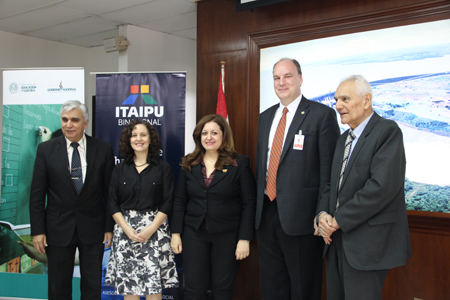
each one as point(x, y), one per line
point(296, 141)
point(362, 212)
point(73, 173)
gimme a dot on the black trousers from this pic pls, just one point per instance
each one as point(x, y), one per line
point(209, 261)
point(60, 270)
point(347, 283)
point(291, 267)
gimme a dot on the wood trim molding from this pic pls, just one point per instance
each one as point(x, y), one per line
point(419, 221)
point(429, 222)
point(429, 11)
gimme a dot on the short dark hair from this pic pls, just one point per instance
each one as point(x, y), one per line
point(226, 151)
point(127, 152)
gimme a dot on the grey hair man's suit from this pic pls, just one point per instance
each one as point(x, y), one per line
point(373, 232)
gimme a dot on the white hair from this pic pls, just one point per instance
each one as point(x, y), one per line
point(72, 104)
point(362, 85)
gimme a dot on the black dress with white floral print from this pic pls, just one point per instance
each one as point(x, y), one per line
point(141, 268)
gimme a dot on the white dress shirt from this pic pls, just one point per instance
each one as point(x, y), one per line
point(292, 109)
point(82, 151)
point(358, 131)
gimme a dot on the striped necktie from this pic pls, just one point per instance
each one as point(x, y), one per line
point(275, 154)
point(348, 144)
point(76, 171)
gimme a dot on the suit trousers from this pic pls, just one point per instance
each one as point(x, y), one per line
point(209, 261)
point(61, 265)
point(291, 267)
point(347, 283)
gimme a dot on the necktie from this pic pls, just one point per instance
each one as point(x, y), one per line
point(275, 154)
point(348, 144)
point(75, 171)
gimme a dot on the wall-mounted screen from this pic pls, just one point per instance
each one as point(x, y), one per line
point(409, 70)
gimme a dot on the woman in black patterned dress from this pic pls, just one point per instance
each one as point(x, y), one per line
point(141, 261)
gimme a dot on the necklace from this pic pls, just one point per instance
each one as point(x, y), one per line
point(209, 161)
point(140, 165)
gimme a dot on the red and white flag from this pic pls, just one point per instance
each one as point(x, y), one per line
point(221, 102)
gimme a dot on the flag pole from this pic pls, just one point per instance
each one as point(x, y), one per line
point(222, 71)
point(221, 102)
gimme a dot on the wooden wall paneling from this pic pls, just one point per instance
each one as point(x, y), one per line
point(238, 38)
point(426, 276)
point(330, 9)
point(235, 91)
point(208, 72)
point(247, 285)
point(388, 4)
point(344, 25)
point(253, 95)
point(219, 28)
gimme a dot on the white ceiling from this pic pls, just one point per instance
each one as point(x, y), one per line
point(87, 22)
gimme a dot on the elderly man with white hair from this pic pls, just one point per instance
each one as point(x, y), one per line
point(362, 213)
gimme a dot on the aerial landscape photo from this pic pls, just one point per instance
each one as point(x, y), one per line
point(411, 85)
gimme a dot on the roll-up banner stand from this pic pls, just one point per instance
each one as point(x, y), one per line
point(160, 99)
point(32, 101)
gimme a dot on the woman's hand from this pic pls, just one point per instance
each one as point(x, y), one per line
point(242, 249)
point(176, 243)
point(107, 239)
point(132, 234)
point(146, 233)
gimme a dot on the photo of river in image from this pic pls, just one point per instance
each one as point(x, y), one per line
point(408, 68)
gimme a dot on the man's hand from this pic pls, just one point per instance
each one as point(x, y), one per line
point(316, 227)
point(326, 228)
point(335, 224)
point(107, 239)
point(40, 242)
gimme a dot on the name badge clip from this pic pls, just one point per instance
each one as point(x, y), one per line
point(299, 140)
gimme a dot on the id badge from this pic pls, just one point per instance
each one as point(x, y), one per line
point(299, 139)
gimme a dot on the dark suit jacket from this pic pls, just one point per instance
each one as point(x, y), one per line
point(372, 212)
point(228, 203)
point(302, 174)
point(65, 210)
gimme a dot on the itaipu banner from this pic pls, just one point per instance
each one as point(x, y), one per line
point(158, 98)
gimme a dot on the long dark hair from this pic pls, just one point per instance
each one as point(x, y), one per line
point(127, 152)
point(226, 151)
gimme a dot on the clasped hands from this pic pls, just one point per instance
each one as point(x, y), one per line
point(327, 226)
point(140, 237)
